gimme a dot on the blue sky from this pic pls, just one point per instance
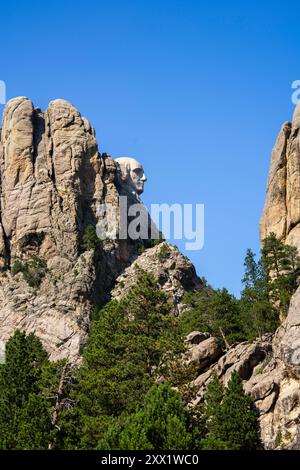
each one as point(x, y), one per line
point(195, 90)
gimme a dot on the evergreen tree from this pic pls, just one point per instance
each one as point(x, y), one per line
point(232, 422)
point(216, 312)
point(161, 423)
point(254, 274)
point(258, 315)
point(25, 421)
point(154, 331)
point(35, 430)
point(282, 266)
point(213, 400)
point(127, 343)
point(90, 239)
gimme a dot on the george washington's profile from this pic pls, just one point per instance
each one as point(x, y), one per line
point(131, 174)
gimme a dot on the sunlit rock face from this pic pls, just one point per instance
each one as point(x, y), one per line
point(276, 384)
point(270, 365)
point(281, 213)
point(53, 184)
point(53, 181)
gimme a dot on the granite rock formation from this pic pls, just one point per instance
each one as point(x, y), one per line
point(281, 214)
point(174, 272)
point(270, 366)
point(53, 181)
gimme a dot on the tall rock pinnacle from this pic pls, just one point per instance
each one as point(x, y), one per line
point(281, 213)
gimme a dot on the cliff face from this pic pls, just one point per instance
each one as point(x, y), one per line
point(281, 216)
point(270, 367)
point(49, 163)
point(53, 181)
point(281, 213)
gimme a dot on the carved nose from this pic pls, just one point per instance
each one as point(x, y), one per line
point(144, 178)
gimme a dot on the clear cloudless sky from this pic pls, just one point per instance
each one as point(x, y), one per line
point(195, 90)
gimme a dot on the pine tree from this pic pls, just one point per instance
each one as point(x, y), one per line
point(35, 428)
point(213, 400)
point(282, 267)
point(258, 315)
point(254, 274)
point(25, 421)
point(90, 239)
point(232, 422)
point(127, 342)
point(161, 423)
point(216, 312)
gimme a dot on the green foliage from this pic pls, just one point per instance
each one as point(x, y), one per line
point(159, 240)
point(18, 267)
point(213, 399)
point(25, 421)
point(127, 342)
point(180, 375)
point(258, 314)
point(113, 426)
point(34, 424)
point(163, 252)
point(269, 285)
point(112, 401)
point(216, 312)
point(231, 420)
point(160, 424)
point(33, 270)
point(150, 243)
point(141, 249)
point(90, 239)
point(254, 274)
point(281, 265)
point(205, 283)
point(112, 366)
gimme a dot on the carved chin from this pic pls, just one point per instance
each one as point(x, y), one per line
point(139, 190)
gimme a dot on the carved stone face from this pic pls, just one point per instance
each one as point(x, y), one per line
point(132, 174)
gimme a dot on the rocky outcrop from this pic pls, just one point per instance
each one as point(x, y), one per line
point(281, 213)
point(174, 272)
point(57, 312)
point(270, 369)
point(203, 349)
point(271, 384)
point(243, 358)
point(53, 182)
point(287, 338)
point(277, 390)
point(49, 163)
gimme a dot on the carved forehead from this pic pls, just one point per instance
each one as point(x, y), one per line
point(128, 163)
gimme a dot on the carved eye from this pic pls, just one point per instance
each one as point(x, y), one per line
point(138, 171)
